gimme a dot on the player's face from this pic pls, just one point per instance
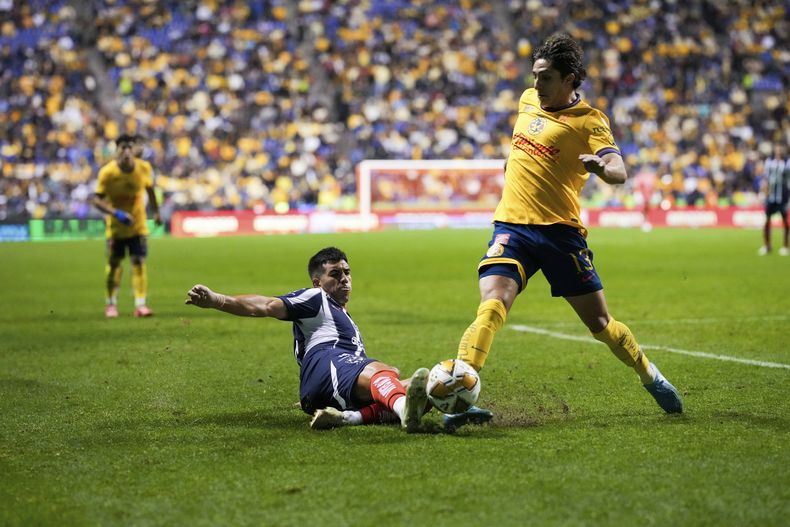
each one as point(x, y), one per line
point(126, 156)
point(336, 281)
point(553, 89)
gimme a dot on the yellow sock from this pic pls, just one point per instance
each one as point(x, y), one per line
point(112, 280)
point(623, 344)
point(139, 282)
point(476, 341)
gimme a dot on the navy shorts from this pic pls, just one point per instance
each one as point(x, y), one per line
point(327, 378)
point(136, 245)
point(560, 251)
point(773, 207)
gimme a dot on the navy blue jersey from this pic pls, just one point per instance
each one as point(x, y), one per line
point(777, 175)
point(319, 322)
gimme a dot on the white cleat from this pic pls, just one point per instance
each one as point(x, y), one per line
point(762, 251)
point(783, 251)
point(416, 401)
point(327, 418)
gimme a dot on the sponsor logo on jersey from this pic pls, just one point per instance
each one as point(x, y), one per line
point(532, 147)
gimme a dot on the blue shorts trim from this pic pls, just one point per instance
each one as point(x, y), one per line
point(559, 251)
point(327, 378)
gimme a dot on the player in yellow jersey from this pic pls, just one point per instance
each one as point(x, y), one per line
point(558, 140)
point(121, 194)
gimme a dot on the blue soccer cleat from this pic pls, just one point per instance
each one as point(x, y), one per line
point(665, 394)
point(416, 401)
point(474, 415)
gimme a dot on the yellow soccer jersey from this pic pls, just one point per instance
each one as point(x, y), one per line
point(126, 191)
point(544, 177)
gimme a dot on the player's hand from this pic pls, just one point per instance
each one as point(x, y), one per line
point(122, 216)
point(593, 163)
point(202, 296)
point(157, 218)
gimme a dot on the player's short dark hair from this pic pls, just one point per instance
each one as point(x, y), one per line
point(125, 139)
point(326, 255)
point(564, 54)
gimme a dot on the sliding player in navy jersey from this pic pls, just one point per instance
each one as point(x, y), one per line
point(776, 187)
point(558, 139)
point(339, 384)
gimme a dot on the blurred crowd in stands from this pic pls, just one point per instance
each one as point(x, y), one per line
point(270, 104)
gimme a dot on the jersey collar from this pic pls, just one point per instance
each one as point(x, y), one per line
point(558, 108)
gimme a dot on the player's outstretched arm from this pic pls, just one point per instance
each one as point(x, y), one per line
point(241, 305)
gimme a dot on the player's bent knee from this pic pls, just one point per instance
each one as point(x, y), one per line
point(373, 368)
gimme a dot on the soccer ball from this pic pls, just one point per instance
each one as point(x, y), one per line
point(453, 386)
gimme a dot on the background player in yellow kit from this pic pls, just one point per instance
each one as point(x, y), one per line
point(121, 191)
point(558, 139)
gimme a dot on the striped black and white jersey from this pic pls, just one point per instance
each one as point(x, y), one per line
point(777, 176)
point(319, 322)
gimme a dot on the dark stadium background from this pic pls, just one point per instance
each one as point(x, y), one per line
point(270, 105)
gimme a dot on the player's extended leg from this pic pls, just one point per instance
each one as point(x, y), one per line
point(593, 311)
point(140, 287)
point(380, 383)
point(375, 413)
point(112, 280)
point(766, 248)
point(783, 251)
point(116, 250)
point(497, 294)
point(138, 250)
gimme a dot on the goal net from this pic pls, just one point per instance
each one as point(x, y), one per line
point(386, 186)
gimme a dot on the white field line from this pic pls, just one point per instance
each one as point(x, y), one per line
point(702, 354)
point(690, 321)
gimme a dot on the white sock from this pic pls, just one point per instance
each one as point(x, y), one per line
point(352, 417)
point(399, 406)
point(139, 302)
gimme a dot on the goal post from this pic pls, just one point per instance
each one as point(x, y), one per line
point(391, 185)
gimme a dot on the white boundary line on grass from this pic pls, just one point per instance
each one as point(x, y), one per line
point(702, 354)
point(634, 322)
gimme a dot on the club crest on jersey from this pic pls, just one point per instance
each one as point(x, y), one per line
point(536, 126)
point(495, 250)
point(498, 247)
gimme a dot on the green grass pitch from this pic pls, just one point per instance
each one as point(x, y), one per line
point(189, 418)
